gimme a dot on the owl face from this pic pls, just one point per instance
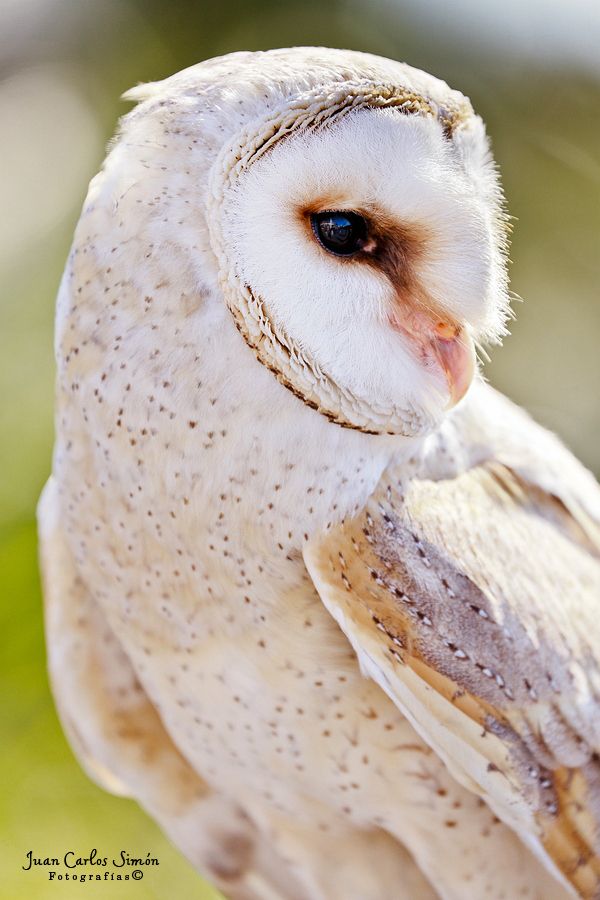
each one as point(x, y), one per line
point(362, 257)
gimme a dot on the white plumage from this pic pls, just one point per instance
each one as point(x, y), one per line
point(231, 396)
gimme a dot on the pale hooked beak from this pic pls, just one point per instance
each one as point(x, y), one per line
point(443, 344)
point(453, 346)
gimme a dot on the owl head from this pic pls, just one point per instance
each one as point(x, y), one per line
point(348, 212)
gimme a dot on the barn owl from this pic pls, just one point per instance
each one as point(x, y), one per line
point(318, 597)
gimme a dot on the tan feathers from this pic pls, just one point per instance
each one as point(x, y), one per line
point(475, 601)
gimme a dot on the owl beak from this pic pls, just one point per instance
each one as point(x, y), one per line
point(442, 345)
point(453, 348)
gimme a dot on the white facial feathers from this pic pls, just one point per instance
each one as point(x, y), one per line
point(381, 162)
point(401, 171)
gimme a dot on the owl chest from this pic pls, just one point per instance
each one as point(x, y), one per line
point(224, 628)
point(254, 680)
point(268, 699)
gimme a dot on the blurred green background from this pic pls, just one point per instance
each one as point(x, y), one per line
point(533, 73)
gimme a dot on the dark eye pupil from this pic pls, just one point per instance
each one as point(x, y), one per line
point(342, 233)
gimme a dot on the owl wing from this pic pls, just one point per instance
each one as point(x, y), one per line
point(473, 599)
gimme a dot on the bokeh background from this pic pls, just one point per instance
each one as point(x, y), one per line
point(532, 70)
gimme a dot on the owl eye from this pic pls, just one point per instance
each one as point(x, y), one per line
point(342, 233)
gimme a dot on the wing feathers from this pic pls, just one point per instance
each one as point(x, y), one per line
point(472, 601)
